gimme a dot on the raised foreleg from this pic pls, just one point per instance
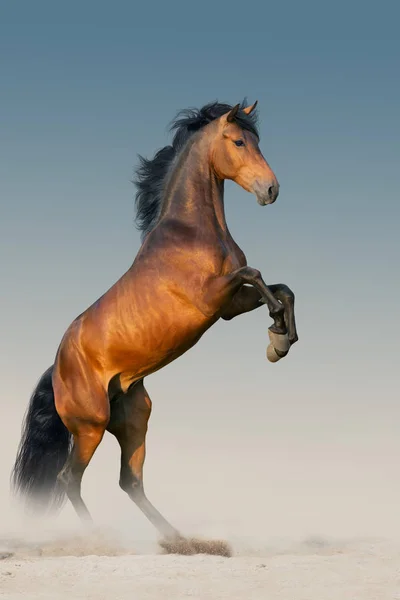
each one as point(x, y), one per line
point(237, 298)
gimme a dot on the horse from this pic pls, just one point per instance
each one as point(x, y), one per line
point(189, 272)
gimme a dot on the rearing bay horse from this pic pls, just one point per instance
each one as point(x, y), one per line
point(189, 273)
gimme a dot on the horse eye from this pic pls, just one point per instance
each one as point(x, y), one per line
point(239, 142)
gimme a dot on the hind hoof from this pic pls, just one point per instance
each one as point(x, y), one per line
point(191, 546)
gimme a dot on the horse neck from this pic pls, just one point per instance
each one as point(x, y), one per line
point(194, 195)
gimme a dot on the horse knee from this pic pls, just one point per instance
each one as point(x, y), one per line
point(286, 291)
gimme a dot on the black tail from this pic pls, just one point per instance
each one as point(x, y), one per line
point(43, 450)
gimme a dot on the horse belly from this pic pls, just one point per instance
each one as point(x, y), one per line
point(157, 339)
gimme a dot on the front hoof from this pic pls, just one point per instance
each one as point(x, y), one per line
point(272, 355)
point(278, 347)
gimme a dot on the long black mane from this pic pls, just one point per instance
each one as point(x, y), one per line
point(151, 174)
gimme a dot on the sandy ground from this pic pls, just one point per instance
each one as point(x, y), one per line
point(93, 567)
point(315, 521)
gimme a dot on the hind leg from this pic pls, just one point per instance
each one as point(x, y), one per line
point(84, 409)
point(130, 413)
point(86, 440)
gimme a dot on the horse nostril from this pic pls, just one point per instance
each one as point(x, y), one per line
point(266, 194)
point(273, 192)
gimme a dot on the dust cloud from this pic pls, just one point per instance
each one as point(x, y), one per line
point(253, 494)
point(268, 503)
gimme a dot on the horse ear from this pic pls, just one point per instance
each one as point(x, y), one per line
point(232, 113)
point(250, 109)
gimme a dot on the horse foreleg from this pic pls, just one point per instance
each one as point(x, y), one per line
point(227, 291)
point(221, 290)
point(248, 299)
point(130, 413)
point(286, 296)
point(245, 300)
